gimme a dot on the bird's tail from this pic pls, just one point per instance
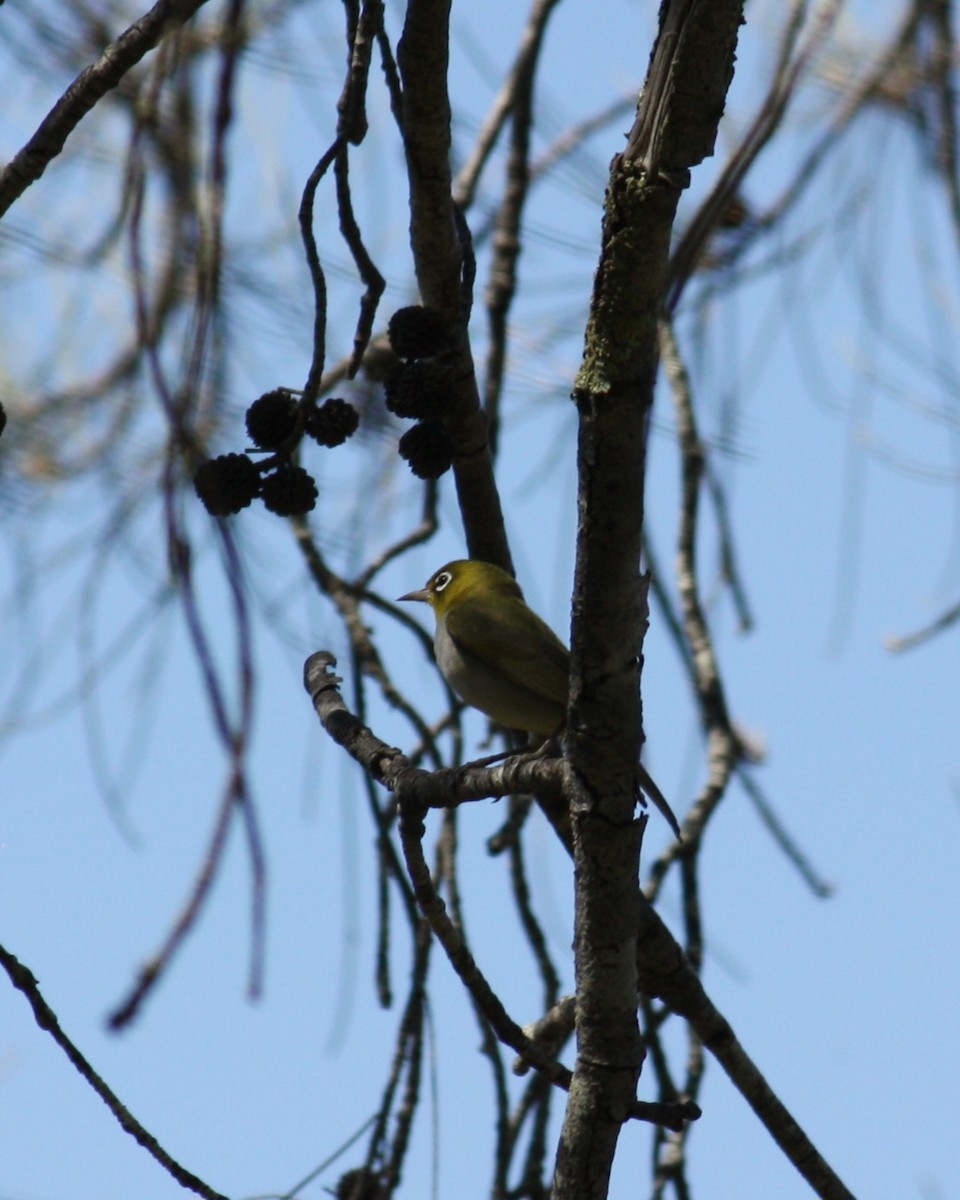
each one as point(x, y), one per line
point(659, 800)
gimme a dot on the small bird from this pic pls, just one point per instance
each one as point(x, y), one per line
point(500, 657)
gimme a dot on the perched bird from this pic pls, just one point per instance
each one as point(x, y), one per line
point(500, 657)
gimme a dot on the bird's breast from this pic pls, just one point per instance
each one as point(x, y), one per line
point(490, 689)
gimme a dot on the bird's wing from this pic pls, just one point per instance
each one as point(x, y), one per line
point(539, 662)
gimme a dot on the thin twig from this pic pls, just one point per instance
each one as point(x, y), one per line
point(233, 733)
point(531, 926)
point(446, 874)
point(317, 278)
point(416, 537)
point(502, 284)
point(24, 981)
point(782, 90)
point(90, 86)
point(728, 558)
point(907, 641)
point(819, 886)
point(374, 283)
point(723, 744)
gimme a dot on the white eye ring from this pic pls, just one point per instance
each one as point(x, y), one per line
point(441, 581)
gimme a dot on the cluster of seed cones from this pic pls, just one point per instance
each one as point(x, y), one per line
point(278, 421)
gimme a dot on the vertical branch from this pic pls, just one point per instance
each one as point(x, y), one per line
point(318, 279)
point(506, 235)
point(614, 392)
point(690, 71)
point(723, 745)
point(422, 58)
point(178, 406)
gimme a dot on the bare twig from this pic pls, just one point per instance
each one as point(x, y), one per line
point(446, 875)
point(90, 86)
point(531, 926)
point(908, 641)
point(723, 743)
point(318, 279)
point(783, 87)
point(373, 280)
point(178, 407)
point(408, 1061)
point(518, 80)
point(416, 537)
point(819, 886)
point(507, 228)
point(728, 558)
point(854, 101)
point(151, 973)
point(23, 980)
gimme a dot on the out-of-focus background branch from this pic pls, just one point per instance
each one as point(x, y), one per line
point(183, 852)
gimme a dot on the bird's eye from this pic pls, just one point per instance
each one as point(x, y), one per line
point(441, 581)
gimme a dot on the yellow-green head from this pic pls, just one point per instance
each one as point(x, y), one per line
point(462, 580)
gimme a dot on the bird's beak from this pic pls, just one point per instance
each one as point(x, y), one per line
point(419, 594)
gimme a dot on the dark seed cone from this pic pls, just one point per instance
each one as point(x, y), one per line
point(227, 484)
point(272, 418)
point(418, 332)
point(3, 420)
point(359, 1184)
point(289, 491)
point(427, 449)
point(417, 389)
point(333, 422)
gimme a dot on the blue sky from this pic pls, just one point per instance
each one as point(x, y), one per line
point(850, 1005)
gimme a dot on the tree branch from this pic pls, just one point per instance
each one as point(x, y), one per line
point(440, 262)
point(24, 981)
point(90, 86)
point(690, 70)
point(662, 969)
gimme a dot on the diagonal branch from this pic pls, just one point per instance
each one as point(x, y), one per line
point(24, 981)
point(90, 86)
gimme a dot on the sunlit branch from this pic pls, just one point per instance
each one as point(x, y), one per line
point(786, 76)
point(909, 640)
point(507, 231)
point(723, 744)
